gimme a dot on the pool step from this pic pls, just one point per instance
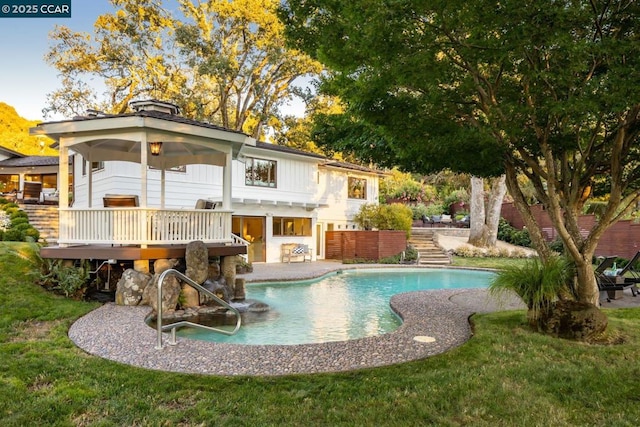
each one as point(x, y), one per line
point(429, 252)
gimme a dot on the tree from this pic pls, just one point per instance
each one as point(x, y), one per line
point(485, 211)
point(548, 91)
point(14, 134)
point(219, 61)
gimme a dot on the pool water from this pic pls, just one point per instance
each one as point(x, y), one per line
point(348, 305)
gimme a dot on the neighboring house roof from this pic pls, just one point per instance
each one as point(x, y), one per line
point(29, 161)
point(10, 153)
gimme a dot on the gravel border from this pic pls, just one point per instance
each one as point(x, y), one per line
point(433, 322)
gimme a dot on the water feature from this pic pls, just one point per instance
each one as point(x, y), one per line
point(349, 305)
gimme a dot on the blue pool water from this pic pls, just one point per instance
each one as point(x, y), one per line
point(352, 304)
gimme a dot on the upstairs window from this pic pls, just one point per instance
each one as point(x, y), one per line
point(357, 188)
point(260, 173)
point(95, 166)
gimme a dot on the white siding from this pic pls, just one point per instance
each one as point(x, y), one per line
point(300, 180)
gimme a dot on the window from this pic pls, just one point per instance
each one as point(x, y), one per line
point(9, 183)
point(357, 188)
point(95, 166)
point(283, 226)
point(49, 180)
point(260, 172)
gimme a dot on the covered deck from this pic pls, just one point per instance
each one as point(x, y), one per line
point(129, 228)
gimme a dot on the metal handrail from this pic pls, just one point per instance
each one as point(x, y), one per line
point(174, 326)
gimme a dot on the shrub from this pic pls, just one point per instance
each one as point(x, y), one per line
point(13, 235)
point(418, 210)
point(537, 284)
point(508, 233)
point(19, 221)
point(384, 217)
point(71, 280)
point(17, 214)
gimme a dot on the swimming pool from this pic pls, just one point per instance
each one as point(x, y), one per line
point(344, 306)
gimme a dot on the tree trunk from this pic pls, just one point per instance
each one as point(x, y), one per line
point(485, 216)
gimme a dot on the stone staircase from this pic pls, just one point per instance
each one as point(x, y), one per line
point(43, 218)
point(429, 252)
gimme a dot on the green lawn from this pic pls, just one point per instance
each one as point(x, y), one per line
point(505, 375)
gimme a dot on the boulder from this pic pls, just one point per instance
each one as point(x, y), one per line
point(573, 320)
point(190, 296)
point(170, 293)
point(162, 265)
point(197, 260)
point(131, 287)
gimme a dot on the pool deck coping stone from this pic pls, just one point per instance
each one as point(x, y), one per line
point(439, 318)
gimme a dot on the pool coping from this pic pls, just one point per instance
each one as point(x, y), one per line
point(434, 322)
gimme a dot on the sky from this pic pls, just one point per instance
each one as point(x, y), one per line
point(25, 76)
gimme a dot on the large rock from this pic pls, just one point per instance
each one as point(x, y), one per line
point(573, 320)
point(197, 260)
point(162, 265)
point(131, 287)
point(190, 296)
point(170, 293)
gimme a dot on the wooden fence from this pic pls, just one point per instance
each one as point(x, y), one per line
point(622, 239)
point(370, 245)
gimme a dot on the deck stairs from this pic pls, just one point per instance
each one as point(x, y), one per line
point(43, 218)
point(429, 252)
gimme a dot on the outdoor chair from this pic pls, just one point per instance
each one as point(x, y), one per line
point(608, 284)
point(205, 204)
point(31, 192)
point(630, 274)
point(120, 201)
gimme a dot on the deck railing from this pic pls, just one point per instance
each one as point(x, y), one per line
point(143, 226)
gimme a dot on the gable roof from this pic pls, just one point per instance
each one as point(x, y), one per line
point(28, 161)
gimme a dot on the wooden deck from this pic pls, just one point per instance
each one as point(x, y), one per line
point(133, 252)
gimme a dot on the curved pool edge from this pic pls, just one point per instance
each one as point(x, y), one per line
point(118, 333)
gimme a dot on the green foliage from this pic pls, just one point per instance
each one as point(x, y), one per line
point(17, 213)
point(440, 85)
point(219, 61)
point(70, 280)
point(508, 233)
point(418, 210)
point(14, 134)
point(538, 284)
point(48, 381)
point(384, 217)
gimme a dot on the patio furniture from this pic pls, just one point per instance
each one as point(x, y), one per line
point(630, 274)
point(205, 204)
point(120, 201)
point(295, 252)
point(609, 282)
point(31, 192)
point(50, 196)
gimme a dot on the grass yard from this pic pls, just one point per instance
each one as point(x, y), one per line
point(504, 376)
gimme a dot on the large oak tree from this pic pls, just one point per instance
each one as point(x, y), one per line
point(548, 90)
point(221, 61)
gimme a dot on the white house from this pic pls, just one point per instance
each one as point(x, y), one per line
point(267, 195)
